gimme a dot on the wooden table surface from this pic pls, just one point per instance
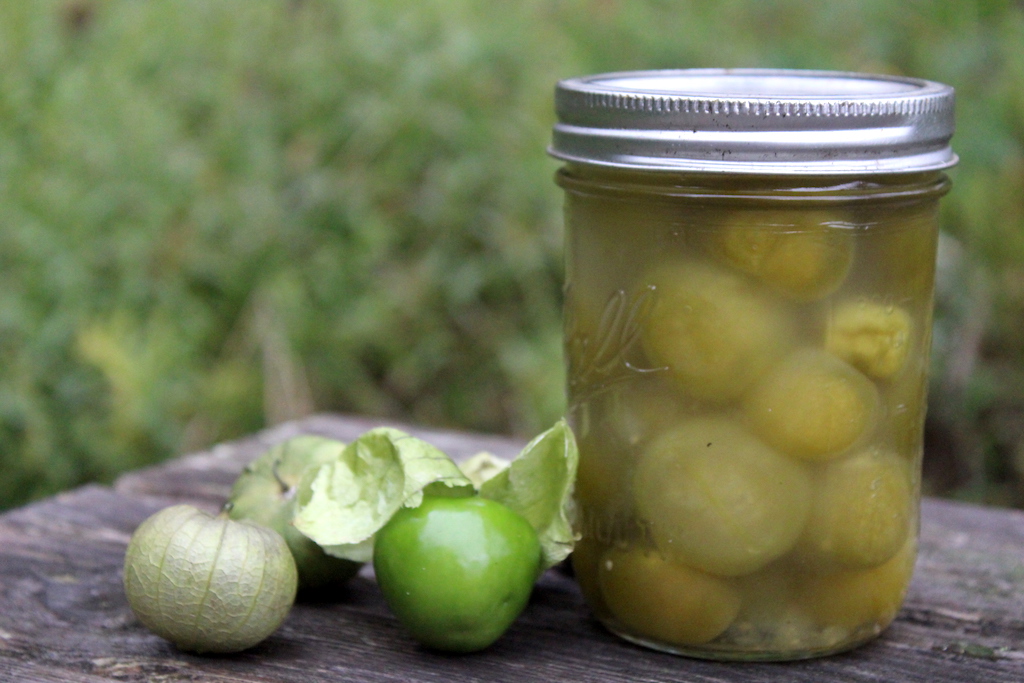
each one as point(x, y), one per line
point(63, 614)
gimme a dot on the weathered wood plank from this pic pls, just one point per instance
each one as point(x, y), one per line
point(63, 616)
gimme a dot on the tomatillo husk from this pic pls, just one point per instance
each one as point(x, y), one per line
point(208, 583)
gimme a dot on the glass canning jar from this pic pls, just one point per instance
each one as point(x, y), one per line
point(749, 277)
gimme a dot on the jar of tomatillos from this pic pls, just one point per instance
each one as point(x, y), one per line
point(750, 259)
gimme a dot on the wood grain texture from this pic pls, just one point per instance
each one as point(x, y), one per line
point(63, 615)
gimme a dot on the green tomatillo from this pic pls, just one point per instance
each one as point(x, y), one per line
point(265, 493)
point(457, 571)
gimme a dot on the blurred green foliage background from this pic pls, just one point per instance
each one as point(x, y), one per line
point(215, 216)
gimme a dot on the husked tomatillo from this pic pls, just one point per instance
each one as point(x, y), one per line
point(208, 583)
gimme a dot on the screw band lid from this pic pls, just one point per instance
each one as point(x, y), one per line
point(755, 121)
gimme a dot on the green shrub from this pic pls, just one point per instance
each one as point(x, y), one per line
point(219, 215)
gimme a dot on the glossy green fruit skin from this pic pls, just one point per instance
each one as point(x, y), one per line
point(457, 571)
point(265, 494)
point(208, 584)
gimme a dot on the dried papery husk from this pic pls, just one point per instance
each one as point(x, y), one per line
point(208, 583)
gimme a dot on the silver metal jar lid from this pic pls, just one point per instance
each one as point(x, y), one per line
point(755, 121)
